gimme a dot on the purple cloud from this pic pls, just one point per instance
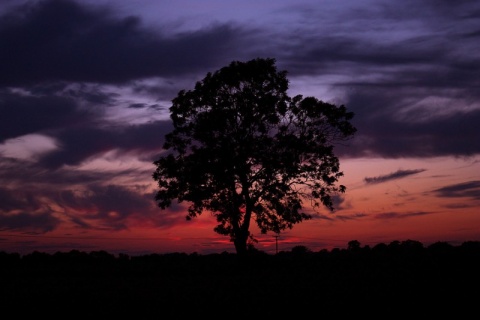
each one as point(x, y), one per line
point(392, 176)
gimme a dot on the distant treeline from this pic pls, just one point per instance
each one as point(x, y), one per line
point(354, 248)
point(400, 279)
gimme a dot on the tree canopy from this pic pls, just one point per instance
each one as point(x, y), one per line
point(245, 151)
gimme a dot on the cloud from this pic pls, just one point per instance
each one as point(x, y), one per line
point(414, 93)
point(28, 222)
point(392, 176)
point(400, 215)
point(10, 201)
point(57, 40)
point(411, 132)
point(94, 206)
point(78, 144)
point(354, 216)
point(108, 205)
point(26, 114)
point(27, 147)
point(469, 189)
point(412, 81)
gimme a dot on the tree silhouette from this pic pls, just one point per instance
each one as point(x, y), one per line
point(242, 149)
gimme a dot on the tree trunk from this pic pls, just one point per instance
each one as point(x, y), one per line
point(240, 242)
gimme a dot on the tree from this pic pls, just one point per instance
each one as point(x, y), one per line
point(244, 150)
point(354, 245)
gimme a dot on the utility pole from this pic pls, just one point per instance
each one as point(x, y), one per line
point(276, 243)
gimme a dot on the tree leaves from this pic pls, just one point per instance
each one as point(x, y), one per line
point(243, 149)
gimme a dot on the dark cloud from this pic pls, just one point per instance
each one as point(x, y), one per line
point(94, 45)
point(108, 205)
point(149, 136)
point(90, 94)
point(115, 207)
point(22, 114)
point(10, 201)
point(460, 205)
point(355, 216)
point(80, 143)
point(399, 215)
point(94, 207)
point(57, 40)
point(469, 189)
point(27, 178)
point(339, 217)
point(387, 129)
point(411, 80)
point(392, 176)
point(339, 202)
point(33, 223)
point(137, 106)
point(414, 35)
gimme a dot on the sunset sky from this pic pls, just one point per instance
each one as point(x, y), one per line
point(85, 88)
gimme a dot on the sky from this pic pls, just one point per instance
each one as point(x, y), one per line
point(85, 88)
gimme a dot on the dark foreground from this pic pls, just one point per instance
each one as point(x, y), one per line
point(400, 280)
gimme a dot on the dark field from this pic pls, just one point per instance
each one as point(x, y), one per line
point(400, 280)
